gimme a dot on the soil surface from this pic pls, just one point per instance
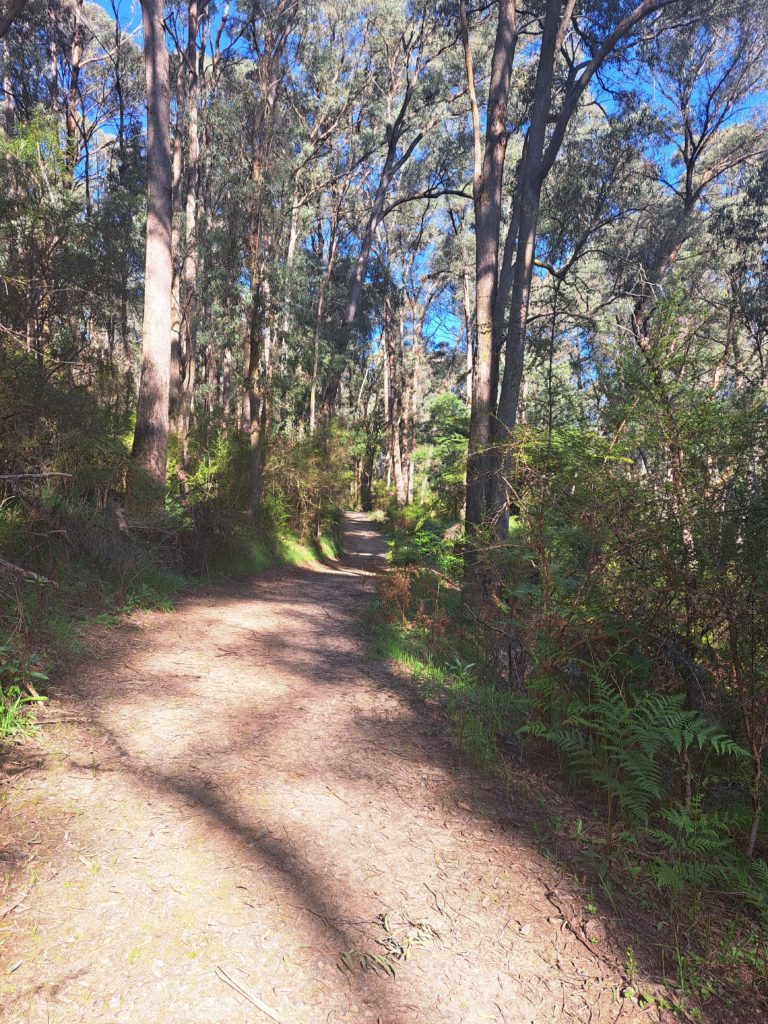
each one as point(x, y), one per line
point(230, 806)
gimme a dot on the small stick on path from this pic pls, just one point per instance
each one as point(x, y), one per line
point(334, 793)
point(15, 902)
point(246, 993)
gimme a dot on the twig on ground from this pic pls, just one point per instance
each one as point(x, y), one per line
point(15, 902)
point(58, 721)
point(246, 993)
point(334, 793)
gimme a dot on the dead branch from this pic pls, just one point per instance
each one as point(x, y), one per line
point(33, 476)
point(17, 570)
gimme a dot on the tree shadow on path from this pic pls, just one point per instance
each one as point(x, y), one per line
point(300, 796)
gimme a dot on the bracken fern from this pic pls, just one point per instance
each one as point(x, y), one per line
point(622, 745)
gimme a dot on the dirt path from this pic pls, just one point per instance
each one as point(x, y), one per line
point(245, 789)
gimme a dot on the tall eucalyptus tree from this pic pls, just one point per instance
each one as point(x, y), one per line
point(150, 439)
point(574, 44)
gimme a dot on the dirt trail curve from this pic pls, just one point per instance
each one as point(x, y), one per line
point(242, 788)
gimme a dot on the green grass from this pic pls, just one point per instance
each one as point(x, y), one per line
point(155, 588)
point(292, 550)
point(242, 552)
point(108, 619)
point(19, 676)
point(329, 547)
point(248, 552)
point(16, 723)
point(60, 631)
point(477, 713)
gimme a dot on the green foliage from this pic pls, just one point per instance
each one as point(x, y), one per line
point(307, 483)
point(623, 746)
point(412, 627)
point(419, 537)
point(90, 562)
point(36, 140)
point(210, 469)
point(626, 605)
point(441, 458)
point(241, 551)
point(19, 677)
point(56, 425)
point(83, 555)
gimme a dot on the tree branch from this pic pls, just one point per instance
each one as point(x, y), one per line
point(15, 7)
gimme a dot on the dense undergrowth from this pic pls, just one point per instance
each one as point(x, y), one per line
point(569, 676)
point(72, 553)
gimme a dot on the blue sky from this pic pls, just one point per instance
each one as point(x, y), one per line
point(129, 12)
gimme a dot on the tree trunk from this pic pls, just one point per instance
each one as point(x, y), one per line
point(260, 340)
point(14, 9)
point(72, 148)
point(53, 60)
point(259, 377)
point(487, 189)
point(226, 384)
point(150, 439)
point(316, 355)
point(415, 398)
point(293, 237)
point(191, 251)
point(529, 200)
point(394, 378)
point(259, 361)
point(211, 375)
point(333, 239)
point(177, 370)
point(468, 334)
point(8, 104)
point(353, 299)
point(486, 486)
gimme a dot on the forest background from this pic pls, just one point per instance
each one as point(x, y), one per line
point(498, 272)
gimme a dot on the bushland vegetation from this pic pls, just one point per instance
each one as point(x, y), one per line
point(495, 272)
